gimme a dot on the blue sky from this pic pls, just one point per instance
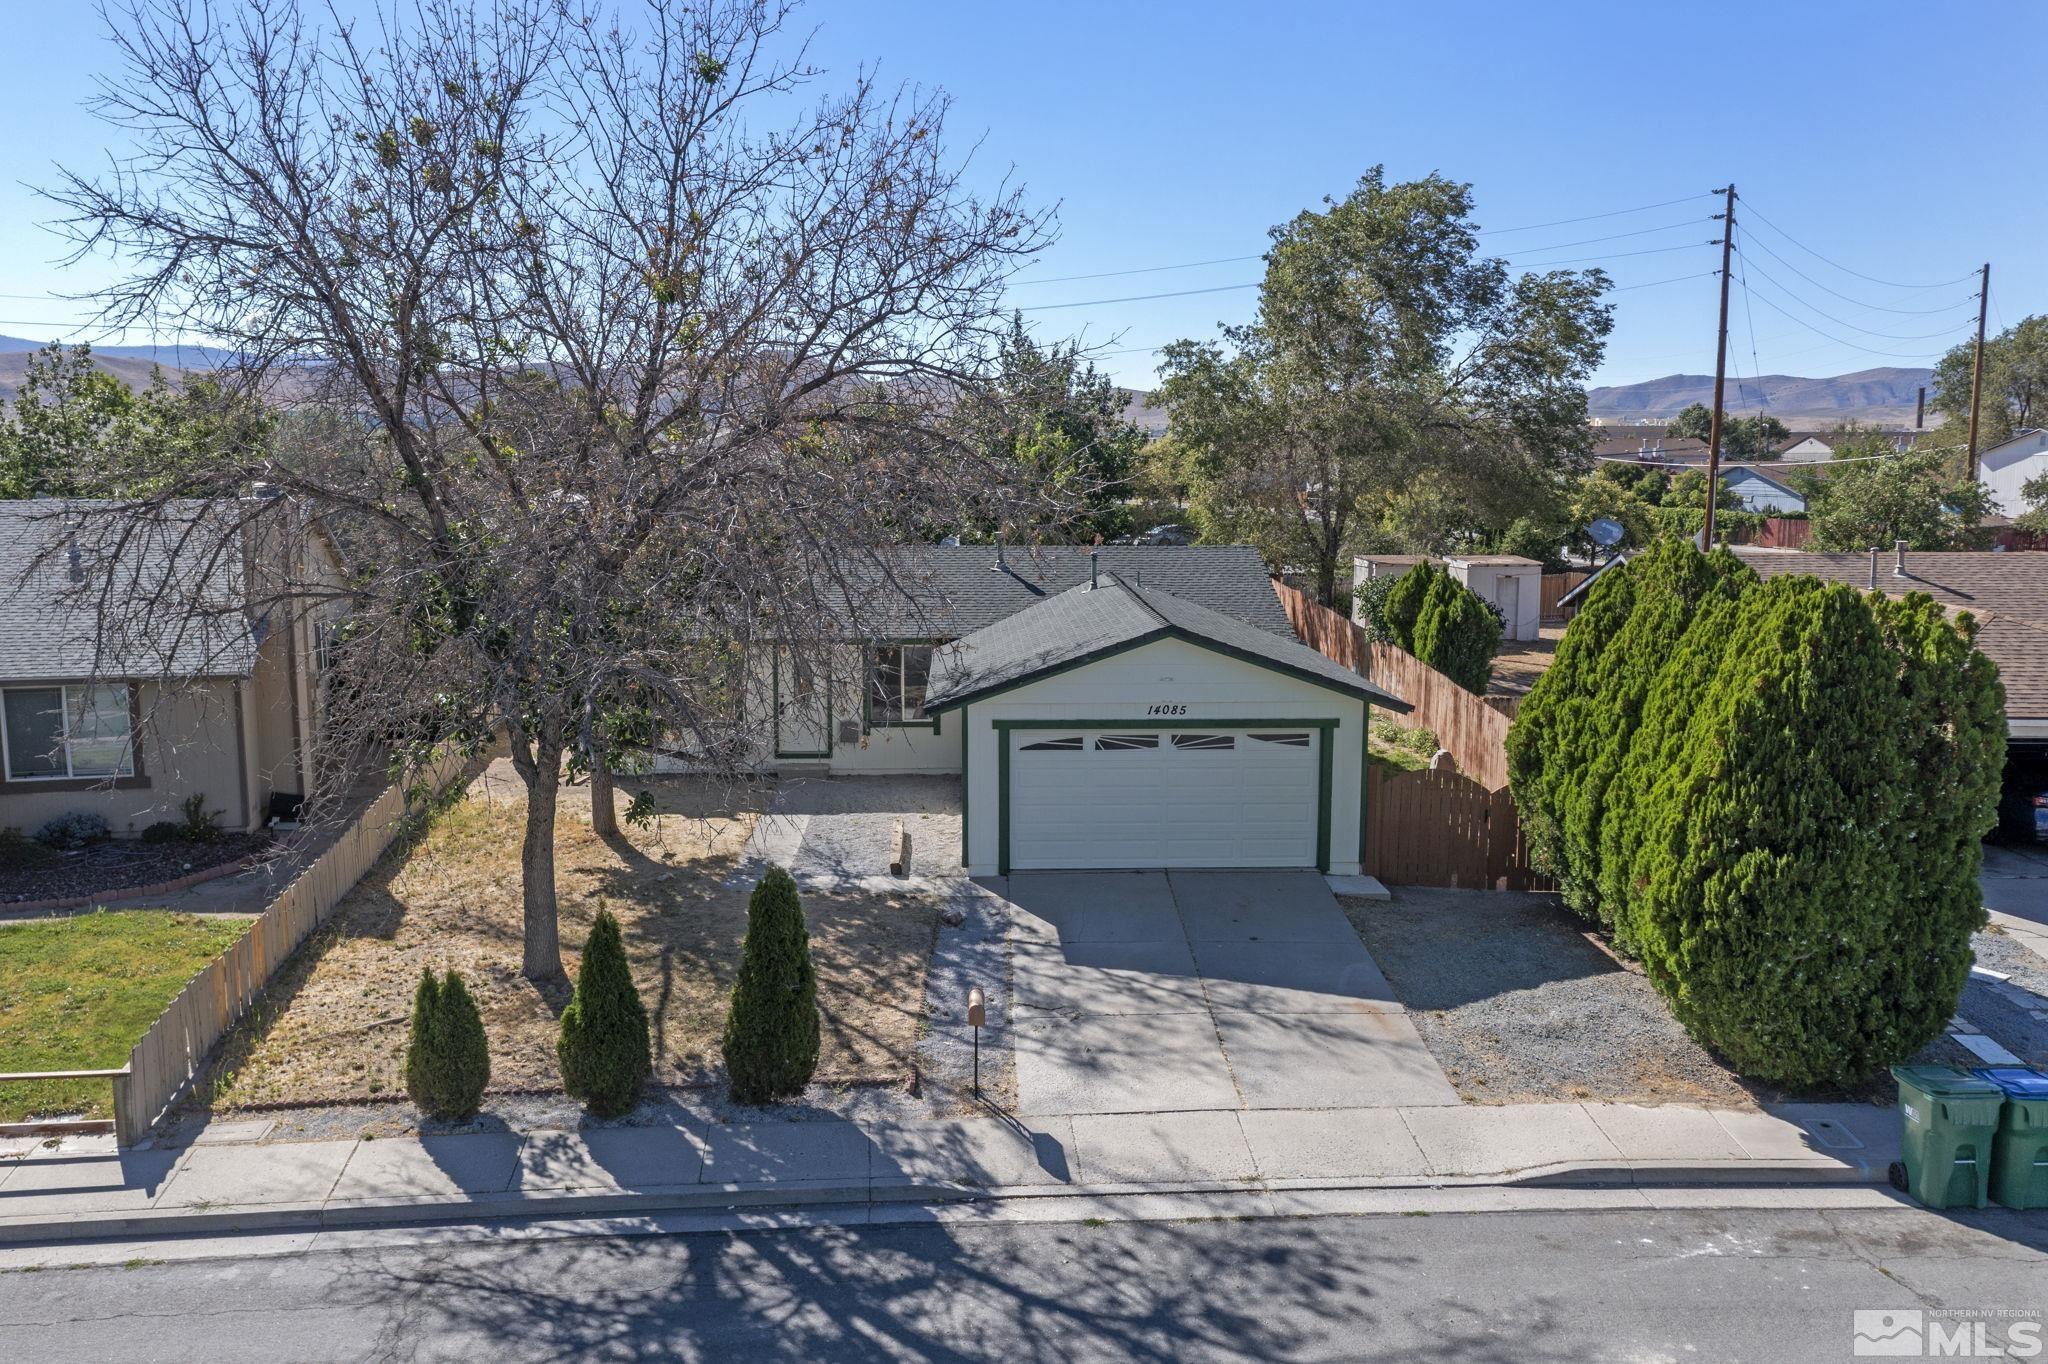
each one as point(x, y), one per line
point(1900, 141)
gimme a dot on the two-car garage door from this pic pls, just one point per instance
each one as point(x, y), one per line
point(1163, 798)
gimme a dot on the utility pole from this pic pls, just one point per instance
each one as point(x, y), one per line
point(1977, 366)
point(1720, 372)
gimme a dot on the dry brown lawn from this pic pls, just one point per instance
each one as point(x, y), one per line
point(332, 1027)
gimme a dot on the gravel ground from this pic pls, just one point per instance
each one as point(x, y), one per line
point(2015, 1011)
point(1518, 1006)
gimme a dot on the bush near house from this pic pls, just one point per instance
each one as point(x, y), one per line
point(771, 1033)
point(447, 1061)
point(1435, 617)
point(1772, 793)
point(603, 1049)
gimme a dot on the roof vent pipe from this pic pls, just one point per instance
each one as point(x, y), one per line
point(1094, 559)
point(1899, 561)
point(1000, 565)
point(1873, 568)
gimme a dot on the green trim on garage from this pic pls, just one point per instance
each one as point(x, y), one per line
point(1325, 728)
point(966, 783)
point(1364, 775)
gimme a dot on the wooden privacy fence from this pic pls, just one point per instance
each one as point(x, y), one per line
point(171, 1054)
point(1554, 586)
point(1443, 829)
point(1475, 733)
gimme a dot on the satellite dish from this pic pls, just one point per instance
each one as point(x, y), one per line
point(1606, 532)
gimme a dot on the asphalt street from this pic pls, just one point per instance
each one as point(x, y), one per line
point(1706, 1285)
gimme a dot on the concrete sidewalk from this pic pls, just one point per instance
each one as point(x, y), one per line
point(230, 1179)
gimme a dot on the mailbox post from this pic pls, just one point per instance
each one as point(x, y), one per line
point(977, 1014)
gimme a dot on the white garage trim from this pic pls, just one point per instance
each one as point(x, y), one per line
point(1322, 728)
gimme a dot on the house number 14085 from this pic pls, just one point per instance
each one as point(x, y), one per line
point(1167, 708)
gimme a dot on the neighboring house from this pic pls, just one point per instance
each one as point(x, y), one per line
point(1513, 584)
point(1760, 491)
point(221, 705)
point(2007, 592)
point(2004, 469)
point(1135, 706)
point(1805, 446)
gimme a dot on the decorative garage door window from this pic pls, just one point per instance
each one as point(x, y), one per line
point(1114, 743)
point(1288, 740)
point(1065, 744)
point(1214, 743)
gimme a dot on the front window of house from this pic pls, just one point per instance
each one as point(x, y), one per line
point(52, 733)
point(897, 674)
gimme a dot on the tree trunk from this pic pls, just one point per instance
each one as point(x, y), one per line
point(604, 810)
point(543, 938)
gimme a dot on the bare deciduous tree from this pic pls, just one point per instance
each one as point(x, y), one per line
point(613, 355)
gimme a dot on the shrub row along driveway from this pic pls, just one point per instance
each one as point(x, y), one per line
point(1148, 992)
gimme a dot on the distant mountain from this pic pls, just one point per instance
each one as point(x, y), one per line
point(1883, 396)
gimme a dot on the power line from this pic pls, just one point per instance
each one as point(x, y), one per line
point(1613, 237)
point(1765, 247)
point(1867, 350)
point(1136, 298)
point(1590, 217)
point(1887, 283)
point(1653, 283)
point(1142, 270)
point(1235, 260)
point(1618, 255)
point(1748, 265)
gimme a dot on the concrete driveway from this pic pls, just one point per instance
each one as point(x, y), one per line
point(1168, 992)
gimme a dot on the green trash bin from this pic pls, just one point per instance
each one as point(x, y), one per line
point(2019, 1153)
point(1950, 1117)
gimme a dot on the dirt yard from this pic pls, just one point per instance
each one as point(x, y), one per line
point(333, 1026)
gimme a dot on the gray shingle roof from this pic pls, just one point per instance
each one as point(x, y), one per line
point(2006, 591)
point(1083, 622)
point(946, 591)
point(45, 638)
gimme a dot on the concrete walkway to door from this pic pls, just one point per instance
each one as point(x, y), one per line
point(1158, 992)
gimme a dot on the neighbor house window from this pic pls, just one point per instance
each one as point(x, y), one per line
point(897, 675)
point(57, 732)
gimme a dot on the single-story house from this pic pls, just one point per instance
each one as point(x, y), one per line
point(2006, 591)
point(223, 707)
point(1134, 706)
point(2004, 469)
point(1513, 584)
point(1760, 492)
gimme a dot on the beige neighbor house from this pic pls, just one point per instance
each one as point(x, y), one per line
point(220, 701)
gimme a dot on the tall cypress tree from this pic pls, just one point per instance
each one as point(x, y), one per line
point(1558, 724)
point(603, 1048)
point(771, 1031)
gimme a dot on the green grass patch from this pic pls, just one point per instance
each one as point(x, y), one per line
point(1403, 749)
point(77, 994)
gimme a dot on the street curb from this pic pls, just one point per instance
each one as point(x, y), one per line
point(432, 1209)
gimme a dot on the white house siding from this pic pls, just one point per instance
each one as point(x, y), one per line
point(191, 744)
point(1211, 686)
point(2003, 470)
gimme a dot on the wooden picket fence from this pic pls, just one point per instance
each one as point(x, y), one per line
point(174, 1050)
point(1443, 829)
